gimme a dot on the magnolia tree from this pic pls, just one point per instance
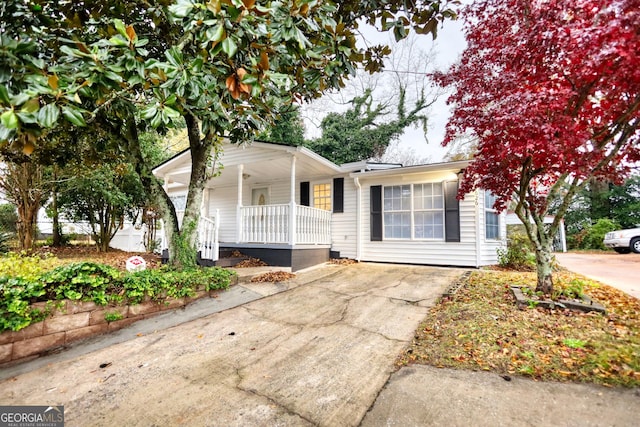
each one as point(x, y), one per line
point(551, 90)
point(222, 67)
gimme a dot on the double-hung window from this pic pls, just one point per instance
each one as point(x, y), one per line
point(414, 211)
point(492, 219)
point(397, 212)
point(428, 211)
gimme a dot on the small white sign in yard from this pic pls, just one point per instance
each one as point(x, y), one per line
point(136, 263)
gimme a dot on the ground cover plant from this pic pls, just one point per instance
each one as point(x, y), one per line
point(479, 327)
point(25, 280)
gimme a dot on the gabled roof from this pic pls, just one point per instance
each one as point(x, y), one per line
point(261, 161)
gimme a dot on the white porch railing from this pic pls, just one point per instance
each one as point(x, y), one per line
point(313, 226)
point(272, 224)
point(208, 238)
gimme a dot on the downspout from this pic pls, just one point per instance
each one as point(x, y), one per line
point(356, 181)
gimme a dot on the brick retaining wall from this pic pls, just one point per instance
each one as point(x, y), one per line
point(77, 320)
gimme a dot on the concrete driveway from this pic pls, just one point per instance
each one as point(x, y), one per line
point(316, 354)
point(621, 271)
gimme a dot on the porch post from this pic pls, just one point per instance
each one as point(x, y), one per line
point(292, 203)
point(239, 205)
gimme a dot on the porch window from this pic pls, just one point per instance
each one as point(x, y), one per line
point(414, 211)
point(492, 219)
point(322, 196)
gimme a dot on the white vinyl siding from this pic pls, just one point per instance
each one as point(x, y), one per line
point(343, 225)
point(431, 252)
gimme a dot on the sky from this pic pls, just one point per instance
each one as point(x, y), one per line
point(443, 52)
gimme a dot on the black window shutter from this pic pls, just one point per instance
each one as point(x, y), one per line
point(338, 195)
point(304, 193)
point(376, 213)
point(451, 212)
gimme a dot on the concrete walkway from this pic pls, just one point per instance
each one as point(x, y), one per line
point(318, 350)
point(317, 353)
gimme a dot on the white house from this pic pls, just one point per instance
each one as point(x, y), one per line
point(289, 206)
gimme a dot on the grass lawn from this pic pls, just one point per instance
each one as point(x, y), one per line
point(481, 328)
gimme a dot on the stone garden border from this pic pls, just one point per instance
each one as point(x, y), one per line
point(586, 305)
point(76, 320)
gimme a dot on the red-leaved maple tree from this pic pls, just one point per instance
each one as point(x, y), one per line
point(551, 89)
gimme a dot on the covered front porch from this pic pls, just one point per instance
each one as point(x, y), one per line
point(253, 204)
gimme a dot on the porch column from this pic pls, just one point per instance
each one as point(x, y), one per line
point(239, 205)
point(292, 203)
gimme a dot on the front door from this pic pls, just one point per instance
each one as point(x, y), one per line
point(260, 196)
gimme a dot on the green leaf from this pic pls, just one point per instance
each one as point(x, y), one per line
point(21, 98)
point(171, 99)
point(148, 112)
point(118, 41)
point(48, 115)
point(174, 57)
point(9, 119)
point(170, 112)
point(4, 95)
point(216, 34)
point(229, 47)
point(120, 27)
point(181, 8)
point(5, 133)
point(74, 116)
point(113, 76)
point(31, 106)
point(156, 120)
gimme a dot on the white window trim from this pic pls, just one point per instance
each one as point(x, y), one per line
point(490, 209)
point(312, 199)
point(412, 211)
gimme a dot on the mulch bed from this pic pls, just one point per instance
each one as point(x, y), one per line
point(114, 257)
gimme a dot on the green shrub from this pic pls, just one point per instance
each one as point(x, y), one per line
point(165, 282)
point(28, 279)
point(5, 242)
point(518, 255)
point(16, 294)
point(8, 218)
point(593, 236)
point(112, 316)
point(29, 267)
point(82, 281)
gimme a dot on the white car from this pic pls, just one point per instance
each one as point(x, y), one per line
point(623, 241)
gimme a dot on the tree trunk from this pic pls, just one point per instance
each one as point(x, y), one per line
point(182, 249)
point(542, 239)
point(23, 186)
point(544, 269)
point(153, 187)
point(27, 225)
point(55, 216)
